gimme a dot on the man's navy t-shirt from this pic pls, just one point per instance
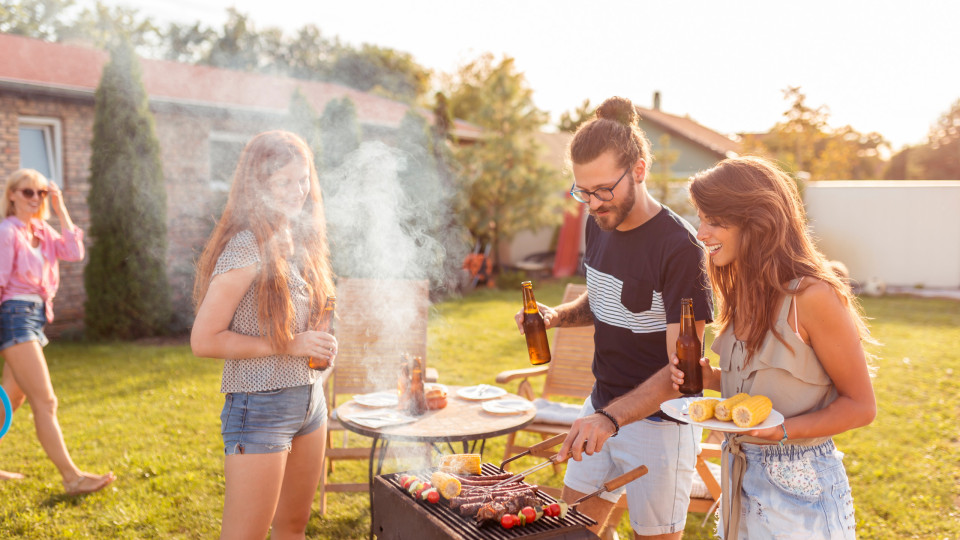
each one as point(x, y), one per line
point(635, 281)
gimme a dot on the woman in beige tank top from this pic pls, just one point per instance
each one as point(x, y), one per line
point(790, 329)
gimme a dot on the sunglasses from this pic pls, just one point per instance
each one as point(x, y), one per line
point(29, 192)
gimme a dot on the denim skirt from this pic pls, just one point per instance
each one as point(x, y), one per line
point(22, 321)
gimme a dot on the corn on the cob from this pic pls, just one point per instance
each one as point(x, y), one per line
point(461, 463)
point(447, 485)
point(702, 409)
point(752, 411)
point(724, 409)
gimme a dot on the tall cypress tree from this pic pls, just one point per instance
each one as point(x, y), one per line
point(339, 131)
point(127, 290)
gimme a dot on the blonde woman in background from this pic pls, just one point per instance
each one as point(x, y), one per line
point(29, 277)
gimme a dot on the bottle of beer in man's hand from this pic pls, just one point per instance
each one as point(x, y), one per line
point(325, 325)
point(688, 350)
point(533, 327)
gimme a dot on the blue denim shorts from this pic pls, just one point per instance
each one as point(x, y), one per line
point(266, 422)
point(798, 492)
point(22, 321)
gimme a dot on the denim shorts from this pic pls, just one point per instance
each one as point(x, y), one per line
point(22, 321)
point(798, 492)
point(658, 500)
point(267, 422)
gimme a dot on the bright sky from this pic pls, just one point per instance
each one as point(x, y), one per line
point(891, 66)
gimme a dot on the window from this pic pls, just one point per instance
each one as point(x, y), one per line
point(40, 146)
point(225, 149)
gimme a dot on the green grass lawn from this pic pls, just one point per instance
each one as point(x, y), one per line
point(151, 414)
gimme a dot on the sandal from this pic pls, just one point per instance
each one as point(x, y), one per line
point(88, 483)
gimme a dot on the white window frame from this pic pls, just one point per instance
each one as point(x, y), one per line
point(52, 137)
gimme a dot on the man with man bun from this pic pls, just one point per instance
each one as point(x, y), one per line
point(641, 259)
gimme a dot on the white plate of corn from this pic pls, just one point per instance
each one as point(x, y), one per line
point(741, 412)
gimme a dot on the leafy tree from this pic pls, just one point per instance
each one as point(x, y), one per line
point(339, 131)
point(127, 290)
point(382, 71)
point(940, 157)
point(570, 121)
point(42, 19)
point(505, 186)
point(804, 141)
point(187, 43)
point(238, 47)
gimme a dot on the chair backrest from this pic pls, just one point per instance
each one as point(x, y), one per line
point(377, 321)
point(570, 372)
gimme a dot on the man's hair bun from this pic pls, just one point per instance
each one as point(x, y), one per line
point(619, 110)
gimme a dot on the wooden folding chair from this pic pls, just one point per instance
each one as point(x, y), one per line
point(377, 321)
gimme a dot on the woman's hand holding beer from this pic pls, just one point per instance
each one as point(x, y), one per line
point(313, 343)
point(550, 317)
point(676, 375)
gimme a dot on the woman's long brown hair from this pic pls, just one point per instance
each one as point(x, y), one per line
point(775, 248)
point(247, 209)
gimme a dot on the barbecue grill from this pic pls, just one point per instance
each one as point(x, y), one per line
point(399, 516)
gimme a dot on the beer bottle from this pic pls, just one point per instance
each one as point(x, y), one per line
point(533, 328)
point(403, 383)
point(418, 397)
point(325, 325)
point(688, 350)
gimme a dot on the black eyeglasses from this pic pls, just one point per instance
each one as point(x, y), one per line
point(604, 194)
point(29, 192)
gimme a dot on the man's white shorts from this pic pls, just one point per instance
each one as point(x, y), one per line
point(658, 500)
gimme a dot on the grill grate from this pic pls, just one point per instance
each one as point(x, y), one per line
point(466, 527)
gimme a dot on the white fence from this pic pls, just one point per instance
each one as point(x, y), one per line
point(905, 233)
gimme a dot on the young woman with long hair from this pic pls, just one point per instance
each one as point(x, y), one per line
point(261, 284)
point(29, 277)
point(788, 328)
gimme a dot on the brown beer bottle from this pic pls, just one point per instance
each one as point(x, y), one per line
point(403, 383)
point(325, 325)
point(688, 350)
point(533, 328)
point(418, 398)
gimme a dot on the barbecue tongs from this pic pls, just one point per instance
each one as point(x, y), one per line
point(541, 449)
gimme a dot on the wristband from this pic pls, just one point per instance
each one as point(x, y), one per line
point(784, 428)
point(616, 425)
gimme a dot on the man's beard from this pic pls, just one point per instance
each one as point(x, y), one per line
point(618, 211)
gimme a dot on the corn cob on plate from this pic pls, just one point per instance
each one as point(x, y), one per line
point(679, 408)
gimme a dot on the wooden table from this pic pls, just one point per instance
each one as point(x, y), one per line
point(462, 420)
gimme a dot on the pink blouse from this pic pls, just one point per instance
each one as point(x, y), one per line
point(22, 271)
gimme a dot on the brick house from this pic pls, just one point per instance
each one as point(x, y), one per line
point(203, 117)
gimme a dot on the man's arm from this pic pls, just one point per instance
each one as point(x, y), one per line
point(575, 313)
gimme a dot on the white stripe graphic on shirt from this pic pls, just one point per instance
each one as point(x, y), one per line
point(605, 292)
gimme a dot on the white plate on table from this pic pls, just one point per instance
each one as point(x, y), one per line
point(378, 418)
point(677, 409)
point(481, 392)
point(507, 406)
point(386, 398)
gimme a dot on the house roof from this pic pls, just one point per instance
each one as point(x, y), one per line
point(684, 126)
point(54, 67)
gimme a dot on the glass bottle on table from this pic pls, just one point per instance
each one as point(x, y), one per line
point(418, 396)
point(325, 325)
point(534, 328)
point(403, 382)
point(689, 350)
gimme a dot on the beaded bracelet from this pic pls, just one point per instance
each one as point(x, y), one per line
point(616, 425)
point(784, 427)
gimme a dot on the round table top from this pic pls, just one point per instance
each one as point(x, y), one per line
point(461, 420)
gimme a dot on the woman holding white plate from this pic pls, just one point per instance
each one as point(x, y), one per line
point(791, 330)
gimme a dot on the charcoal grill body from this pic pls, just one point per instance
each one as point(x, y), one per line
point(400, 517)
